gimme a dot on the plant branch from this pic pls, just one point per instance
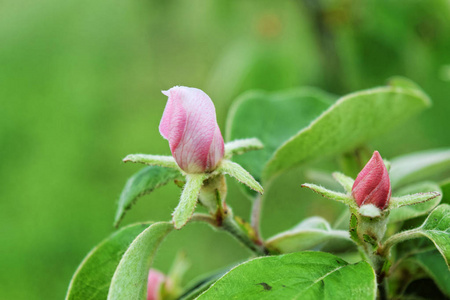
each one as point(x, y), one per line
point(397, 238)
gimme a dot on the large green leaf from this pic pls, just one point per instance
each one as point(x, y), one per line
point(437, 228)
point(302, 275)
point(311, 234)
point(418, 166)
point(351, 121)
point(142, 183)
point(411, 211)
point(433, 264)
point(273, 118)
point(130, 278)
point(92, 279)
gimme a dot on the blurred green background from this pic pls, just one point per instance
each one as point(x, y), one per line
point(80, 86)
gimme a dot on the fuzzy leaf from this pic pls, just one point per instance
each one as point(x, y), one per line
point(301, 275)
point(418, 165)
point(238, 172)
point(140, 184)
point(92, 279)
point(311, 234)
point(411, 211)
point(242, 146)
point(437, 228)
point(130, 278)
point(351, 121)
point(188, 200)
point(152, 160)
point(345, 181)
point(348, 200)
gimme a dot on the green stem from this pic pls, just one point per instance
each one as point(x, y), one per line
point(230, 225)
point(397, 238)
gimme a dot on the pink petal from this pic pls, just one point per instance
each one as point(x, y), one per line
point(154, 284)
point(189, 124)
point(372, 185)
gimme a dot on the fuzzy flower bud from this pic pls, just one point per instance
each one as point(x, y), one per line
point(372, 185)
point(189, 124)
point(155, 281)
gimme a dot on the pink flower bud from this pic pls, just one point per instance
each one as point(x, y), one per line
point(155, 281)
point(372, 185)
point(189, 124)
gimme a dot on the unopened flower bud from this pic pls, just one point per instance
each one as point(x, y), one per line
point(155, 282)
point(372, 185)
point(189, 124)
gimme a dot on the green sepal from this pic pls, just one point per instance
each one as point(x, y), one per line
point(152, 160)
point(396, 202)
point(242, 146)
point(235, 170)
point(188, 200)
point(345, 181)
point(332, 195)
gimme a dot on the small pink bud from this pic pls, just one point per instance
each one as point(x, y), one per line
point(189, 124)
point(155, 281)
point(372, 185)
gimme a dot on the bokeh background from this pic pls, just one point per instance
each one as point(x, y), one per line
point(80, 86)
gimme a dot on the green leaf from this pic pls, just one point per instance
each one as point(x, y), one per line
point(238, 172)
point(433, 264)
point(345, 181)
point(188, 200)
point(152, 160)
point(140, 184)
point(418, 166)
point(437, 228)
point(311, 234)
point(130, 278)
point(273, 118)
point(340, 197)
point(412, 211)
point(351, 121)
point(238, 147)
point(92, 279)
point(302, 275)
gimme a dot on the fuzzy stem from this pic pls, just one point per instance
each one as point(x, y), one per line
point(230, 225)
point(397, 238)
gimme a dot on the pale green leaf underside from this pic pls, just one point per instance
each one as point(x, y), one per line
point(340, 197)
point(351, 121)
point(242, 146)
point(152, 160)
point(272, 118)
point(92, 279)
point(411, 211)
point(301, 275)
point(437, 228)
point(238, 172)
point(188, 200)
point(130, 278)
point(142, 183)
point(310, 234)
point(345, 181)
point(419, 165)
